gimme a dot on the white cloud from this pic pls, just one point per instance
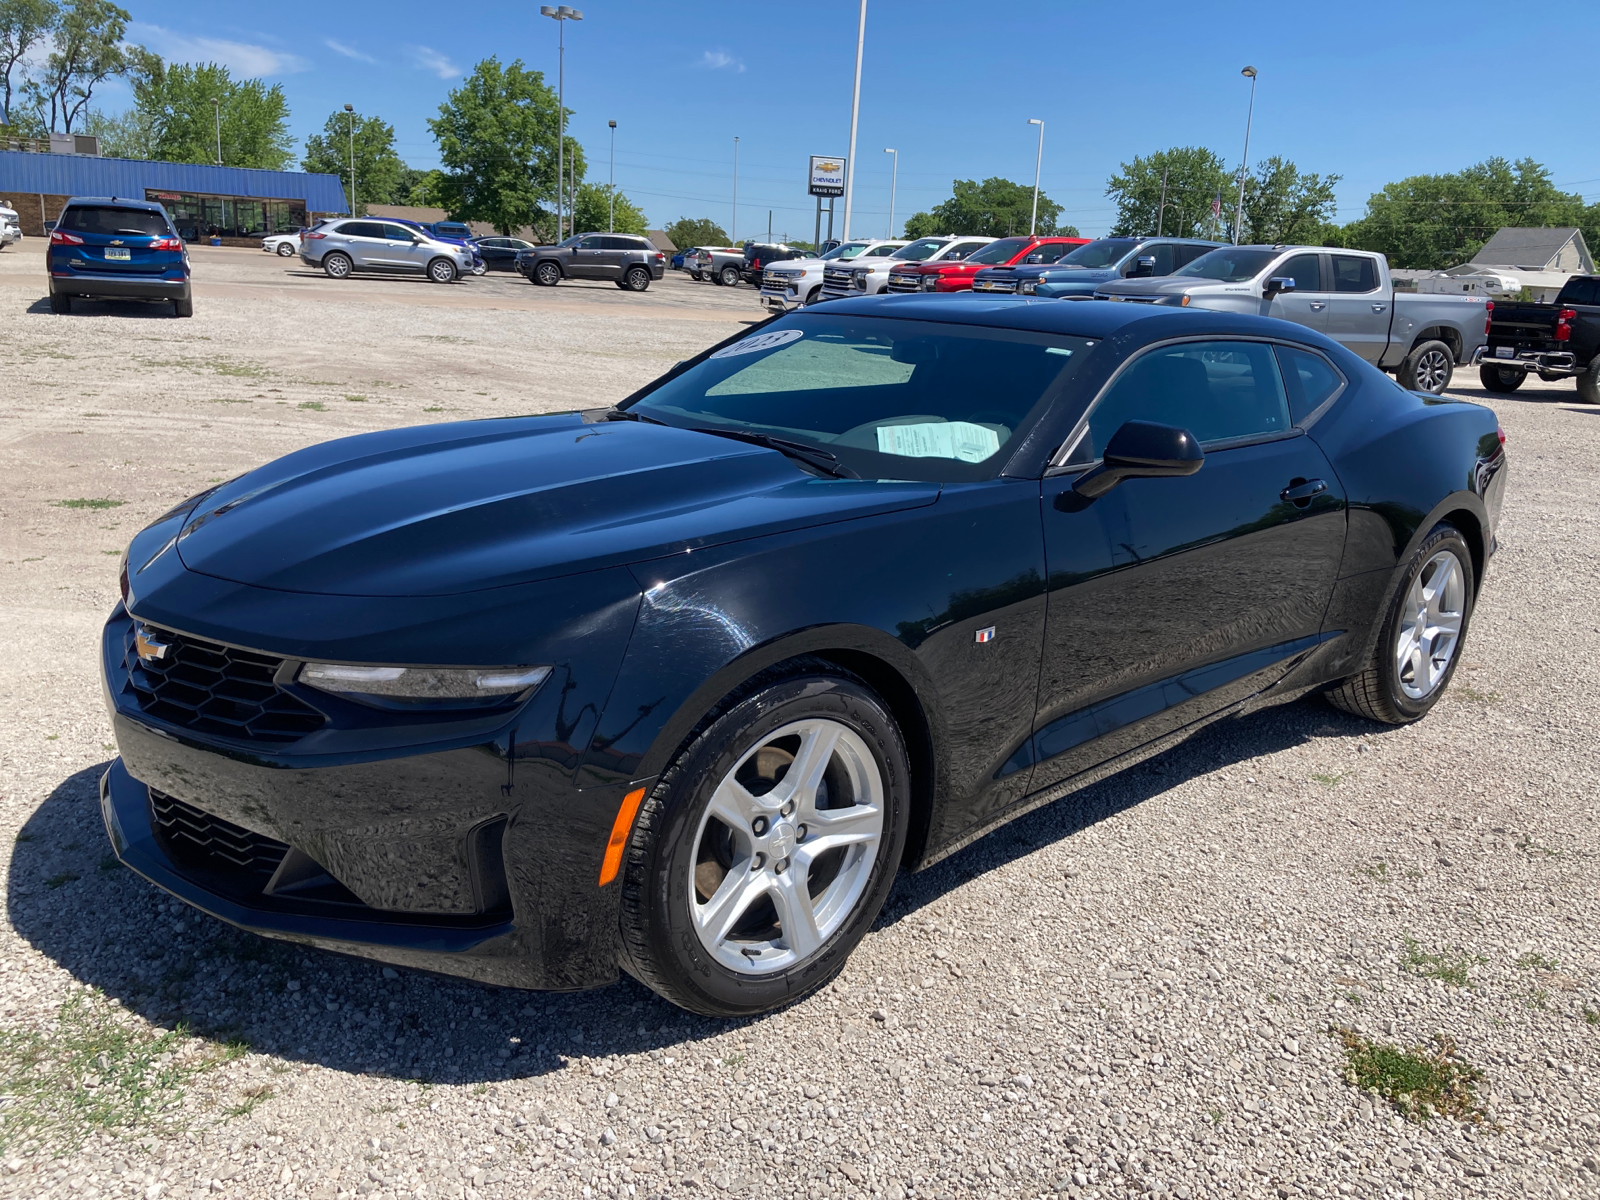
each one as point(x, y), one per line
point(244, 59)
point(348, 51)
point(430, 59)
point(717, 60)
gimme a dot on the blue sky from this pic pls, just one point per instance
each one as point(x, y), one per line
point(1369, 91)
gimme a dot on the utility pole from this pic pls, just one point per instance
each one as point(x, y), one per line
point(216, 111)
point(561, 14)
point(612, 226)
point(1238, 217)
point(734, 232)
point(855, 112)
point(894, 179)
point(350, 109)
point(1161, 213)
point(1033, 221)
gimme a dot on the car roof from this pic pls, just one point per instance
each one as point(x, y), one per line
point(116, 201)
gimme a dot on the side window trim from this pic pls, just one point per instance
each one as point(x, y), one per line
point(1315, 414)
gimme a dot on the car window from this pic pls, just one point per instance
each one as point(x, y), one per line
point(885, 251)
point(1183, 255)
point(891, 398)
point(108, 219)
point(1219, 391)
point(592, 243)
point(398, 233)
point(920, 249)
point(1050, 252)
point(1098, 254)
point(1352, 274)
point(1002, 251)
point(1305, 270)
point(1230, 264)
point(622, 243)
point(494, 243)
point(1160, 251)
point(361, 229)
point(1311, 381)
point(518, 244)
point(961, 249)
point(1580, 291)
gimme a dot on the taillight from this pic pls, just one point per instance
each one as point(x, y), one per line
point(1564, 320)
point(61, 238)
point(1501, 434)
point(314, 237)
point(167, 243)
point(1488, 316)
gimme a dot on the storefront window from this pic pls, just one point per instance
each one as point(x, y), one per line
point(198, 217)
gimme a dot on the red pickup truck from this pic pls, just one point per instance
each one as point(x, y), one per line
point(955, 275)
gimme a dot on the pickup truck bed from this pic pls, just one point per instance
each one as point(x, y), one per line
point(1554, 341)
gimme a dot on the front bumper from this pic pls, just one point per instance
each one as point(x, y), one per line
point(143, 287)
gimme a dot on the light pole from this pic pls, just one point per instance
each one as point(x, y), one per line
point(351, 109)
point(611, 226)
point(1238, 215)
point(855, 111)
point(561, 13)
point(734, 232)
point(1033, 221)
point(216, 111)
point(894, 178)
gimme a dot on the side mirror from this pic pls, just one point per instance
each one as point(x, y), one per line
point(1144, 267)
point(1277, 284)
point(1142, 450)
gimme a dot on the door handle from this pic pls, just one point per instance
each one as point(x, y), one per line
point(1379, 307)
point(1318, 305)
point(1303, 492)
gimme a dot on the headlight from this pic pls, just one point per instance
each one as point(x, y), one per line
point(421, 684)
point(1027, 287)
point(859, 280)
point(929, 282)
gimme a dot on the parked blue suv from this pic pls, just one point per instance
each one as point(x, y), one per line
point(125, 249)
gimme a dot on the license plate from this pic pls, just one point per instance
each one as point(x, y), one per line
point(1505, 351)
point(118, 254)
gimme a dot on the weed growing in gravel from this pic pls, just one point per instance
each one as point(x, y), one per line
point(1378, 870)
point(1465, 691)
point(1420, 1083)
point(1539, 999)
point(253, 1099)
point(313, 405)
point(1450, 969)
point(92, 1070)
point(1533, 850)
point(81, 503)
point(435, 408)
point(1591, 1016)
point(109, 863)
point(1327, 780)
point(356, 399)
point(61, 880)
point(1534, 961)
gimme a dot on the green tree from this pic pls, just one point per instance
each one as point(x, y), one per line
point(86, 50)
point(497, 136)
point(1283, 206)
point(1430, 222)
point(405, 183)
point(122, 135)
point(1194, 177)
point(428, 192)
point(591, 212)
point(698, 231)
point(371, 140)
point(994, 208)
point(175, 98)
point(25, 25)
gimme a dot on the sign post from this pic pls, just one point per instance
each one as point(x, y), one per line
point(825, 179)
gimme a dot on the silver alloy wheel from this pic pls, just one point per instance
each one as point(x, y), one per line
point(336, 265)
point(479, 268)
point(442, 270)
point(285, 250)
point(1430, 625)
point(548, 273)
point(786, 847)
point(1433, 371)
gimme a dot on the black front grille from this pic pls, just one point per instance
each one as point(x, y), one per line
point(196, 838)
point(217, 689)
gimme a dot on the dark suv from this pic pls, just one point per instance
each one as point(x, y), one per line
point(757, 256)
point(628, 261)
point(126, 249)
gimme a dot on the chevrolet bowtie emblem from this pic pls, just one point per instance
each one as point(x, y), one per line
point(149, 647)
point(116, 242)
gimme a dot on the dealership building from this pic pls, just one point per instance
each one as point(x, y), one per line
point(234, 203)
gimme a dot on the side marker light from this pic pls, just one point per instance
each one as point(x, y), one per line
point(620, 828)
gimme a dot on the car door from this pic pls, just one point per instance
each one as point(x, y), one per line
point(406, 250)
point(1164, 263)
point(588, 258)
point(495, 253)
point(1216, 582)
point(363, 242)
point(621, 253)
point(1358, 308)
point(1308, 304)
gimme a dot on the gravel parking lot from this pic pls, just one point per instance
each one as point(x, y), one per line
point(1138, 990)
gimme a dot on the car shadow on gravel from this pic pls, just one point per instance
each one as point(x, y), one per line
point(71, 900)
point(160, 309)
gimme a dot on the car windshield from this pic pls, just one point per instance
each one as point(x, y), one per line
point(848, 250)
point(1230, 264)
point(106, 219)
point(921, 248)
point(1100, 253)
point(999, 252)
point(890, 399)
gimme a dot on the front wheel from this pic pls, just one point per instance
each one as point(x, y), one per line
point(1501, 380)
point(1427, 368)
point(285, 250)
point(766, 850)
point(480, 268)
point(637, 279)
point(1420, 643)
point(729, 277)
point(336, 265)
point(547, 274)
point(442, 270)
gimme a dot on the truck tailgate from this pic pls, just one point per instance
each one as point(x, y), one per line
point(1511, 322)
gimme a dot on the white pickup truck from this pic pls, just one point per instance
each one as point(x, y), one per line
point(798, 281)
point(1346, 294)
point(10, 225)
point(869, 278)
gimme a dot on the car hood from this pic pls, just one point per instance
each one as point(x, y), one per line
point(445, 509)
point(1168, 285)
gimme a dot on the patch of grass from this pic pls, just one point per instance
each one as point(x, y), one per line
point(253, 1098)
point(242, 370)
point(1591, 1016)
point(1421, 1083)
point(733, 1060)
point(85, 503)
point(61, 880)
point(111, 552)
point(1539, 999)
point(356, 399)
point(1533, 850)
point(1327, 780)
point(1450, 969)
point(481, 1090)
point(1377, 870)
point(1215, 1114)
point(230, 399)
point(94, 414)
point(434, 408)
point(1465, 691)
point(109, 863)
point(380, 1109)
point(1353, 998)
point(1534, 961)
point(313, 405)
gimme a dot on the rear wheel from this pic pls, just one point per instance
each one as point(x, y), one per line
point(183, 306)
point(1427, 368)
point(729, 277)
point(547, 274)
point(1501, 379)
point(337, 265)
point(1420, 644)
point(1589, 382)
point(637, 279)
point(60, 303)
point(441, 270)
point(767, 849)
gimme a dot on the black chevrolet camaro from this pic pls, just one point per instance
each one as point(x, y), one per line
point(678, 687)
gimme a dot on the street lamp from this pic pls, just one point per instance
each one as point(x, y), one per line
point(855, 111)
point(1238, 215)
point(216, 111)
point(1033, 221)
point(611, 227)
point(351, 109)
point(734, 232)
point(894, 178)
point(560, 13)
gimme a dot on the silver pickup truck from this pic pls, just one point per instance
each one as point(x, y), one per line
point(1346, 294)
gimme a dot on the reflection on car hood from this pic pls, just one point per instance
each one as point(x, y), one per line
point(1166, 285)
point(459, 507)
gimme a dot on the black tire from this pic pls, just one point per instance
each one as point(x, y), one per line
point(728, 277)
point(442, 270)
point(1501, 380)
point(60, 304)
point(183, 307)
point(1589, 382)
point(814, 294)
point(637, 279)
point(1427, 368)
point(1377, 692)
point(337, 265)
point(660, 945)
point(285, 250)
point(547, 274)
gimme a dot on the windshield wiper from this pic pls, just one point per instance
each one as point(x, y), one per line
point(828, 464)
point(627, 414)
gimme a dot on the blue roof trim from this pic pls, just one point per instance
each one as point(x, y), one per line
point(79, 175)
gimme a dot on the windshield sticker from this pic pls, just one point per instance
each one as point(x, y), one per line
point(1061, 350)
point(939, 439)
point(761, 341)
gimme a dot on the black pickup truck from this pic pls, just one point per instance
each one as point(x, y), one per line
point(1553, 340)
